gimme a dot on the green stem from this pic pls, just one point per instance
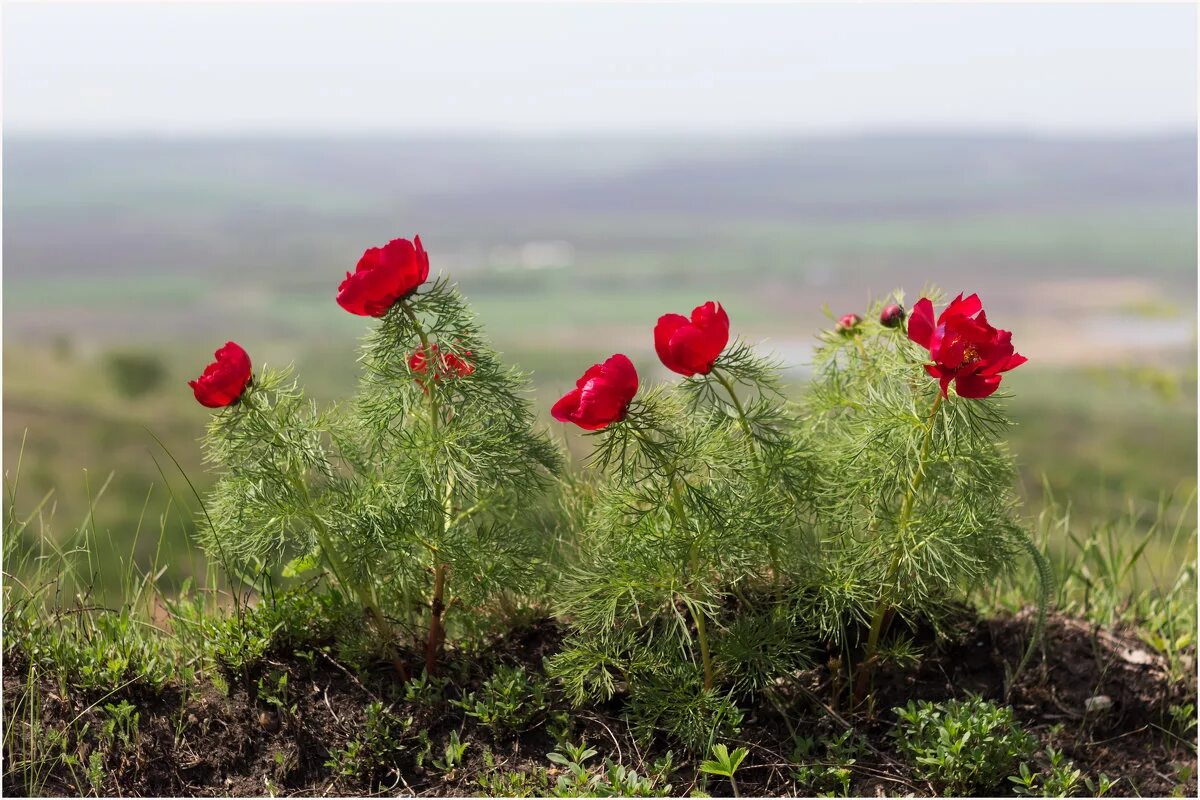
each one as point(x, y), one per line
point(773, 551)
point(437, 605)
point(885, 599)
point(736, 404)
point(693, 567)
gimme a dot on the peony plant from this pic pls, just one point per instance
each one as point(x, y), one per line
point(418, 496)
point(689, 523)
point(912, 499)
point(727, 536)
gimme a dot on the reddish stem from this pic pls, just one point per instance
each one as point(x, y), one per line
point(437, 634)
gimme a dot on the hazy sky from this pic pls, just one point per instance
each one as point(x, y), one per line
point(598, 68)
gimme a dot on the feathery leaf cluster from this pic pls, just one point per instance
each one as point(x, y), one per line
point(692, 515)
point(416, 493)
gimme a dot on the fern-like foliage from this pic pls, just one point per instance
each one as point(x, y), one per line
point(690, 520)
point(734, 533)
point(418, 493)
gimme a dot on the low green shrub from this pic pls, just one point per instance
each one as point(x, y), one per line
point(961, 746)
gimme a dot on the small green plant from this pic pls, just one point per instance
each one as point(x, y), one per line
point(725, 764)
point(273, 690)
point(575, 777)
point(961, 746)
point(95, 772)
point(1183, 779)
point(825, 763)
point(1060, 779)
point(426, 689)
point(122, 723)
point(508, 700)
point(1183, 718)
point(618, 780)
point(613, 780)
point(453, 754)
point(379, 745)
point(1101, 786)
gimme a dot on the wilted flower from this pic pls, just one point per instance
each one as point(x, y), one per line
point(383, 276)
point(892, 316)
point(690, 346)
point(964, 347)
point(224, 380)
point(602, 396)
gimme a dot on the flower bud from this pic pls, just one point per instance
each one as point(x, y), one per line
point(848, 323)
point(892, 316)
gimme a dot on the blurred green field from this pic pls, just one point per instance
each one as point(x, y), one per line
point(128, 261)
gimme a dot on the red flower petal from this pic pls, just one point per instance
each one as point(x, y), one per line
point(691, 346)
point(920, 322)
point(601, 397)
point(667, 325)
point(961, 308)
point(565, 407)
point(944, 377)
point(976, 386)
point(383, 276)
point(224, 380)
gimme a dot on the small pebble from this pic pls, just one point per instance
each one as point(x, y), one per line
point(1097, 704)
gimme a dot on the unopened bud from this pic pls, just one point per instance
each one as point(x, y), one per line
point(892, 316)
point(848, 323)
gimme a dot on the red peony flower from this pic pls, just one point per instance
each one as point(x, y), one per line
point(224, 380)
point(383, 276)
point(445, 364)
point(892, 316)
point(847, 323)
point(691, 346)
point(964, 347)
point(601, 396)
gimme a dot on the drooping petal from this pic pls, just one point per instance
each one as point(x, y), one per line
point(422, 261)
point(976, 386)
point(667, 325)
point(920, 322)
point(944, 376)
point(566, 405)
point(1013, 361)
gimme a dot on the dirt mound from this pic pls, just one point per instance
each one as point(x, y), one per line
point(205, 741)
